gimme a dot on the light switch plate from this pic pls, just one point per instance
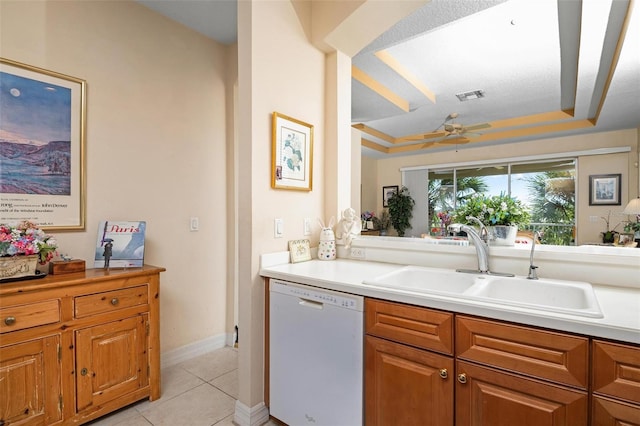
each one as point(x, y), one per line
point(278, 228)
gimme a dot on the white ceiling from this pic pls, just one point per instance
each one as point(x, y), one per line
point(533, 59)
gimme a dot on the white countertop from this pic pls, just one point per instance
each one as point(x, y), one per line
point(620, 305)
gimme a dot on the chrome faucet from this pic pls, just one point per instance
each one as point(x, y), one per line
point(533, 275)
point(480, 242)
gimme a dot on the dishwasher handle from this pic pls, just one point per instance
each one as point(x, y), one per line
point(310, 303)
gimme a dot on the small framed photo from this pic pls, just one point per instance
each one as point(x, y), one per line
point(387, 192)
point(604, 190)
point(291, 153)
point(299, 251)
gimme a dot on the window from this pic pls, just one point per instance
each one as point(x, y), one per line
point(547, 188)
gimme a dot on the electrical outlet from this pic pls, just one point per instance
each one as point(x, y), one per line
point(357, 252)
point(593, 218)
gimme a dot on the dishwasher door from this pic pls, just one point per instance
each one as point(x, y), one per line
point(315, 356)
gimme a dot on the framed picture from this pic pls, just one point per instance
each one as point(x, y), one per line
point(604, 190)
point(625, 239)
point(387, 192)
point(291, 154)
point(42, 164)
point(299, 251)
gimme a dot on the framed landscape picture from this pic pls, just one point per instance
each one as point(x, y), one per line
point(42, 165)
point(291, 153)
point(387, 192)
point(604, 190)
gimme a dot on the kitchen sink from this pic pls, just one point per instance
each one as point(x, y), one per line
point(426, 280)
point(552, 295)
point(567, 297)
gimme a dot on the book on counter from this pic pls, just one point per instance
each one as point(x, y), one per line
point(127, 243)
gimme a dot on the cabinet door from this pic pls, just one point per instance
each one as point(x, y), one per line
point(110, 360)
point(607, 412)
point(30, 383)
point(488, 397)
point(406, 386)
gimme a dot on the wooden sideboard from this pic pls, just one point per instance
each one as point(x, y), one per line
point(74, 347)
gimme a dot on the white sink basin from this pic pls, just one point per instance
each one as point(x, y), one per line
point(426, 280)
point(569, 297)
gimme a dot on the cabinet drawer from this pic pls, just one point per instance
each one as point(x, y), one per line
point(18, 317)
point(616, 370)
point(411, 325)
point(110, 301)
point(538, 353)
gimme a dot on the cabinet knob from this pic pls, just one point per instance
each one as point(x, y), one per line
point(462, 378)
point(84, 372)
point(10, 320)
point(444, 373)
point(115, 301)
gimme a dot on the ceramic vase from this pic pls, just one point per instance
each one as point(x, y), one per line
point(503, 235)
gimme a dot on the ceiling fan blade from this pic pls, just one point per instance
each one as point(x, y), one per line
point(421, 137)
point(477, 126)
point(455, 141)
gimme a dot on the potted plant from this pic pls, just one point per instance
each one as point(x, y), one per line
point(401, 210)
point(382, 222)
point(608, 235)
point(501, 213)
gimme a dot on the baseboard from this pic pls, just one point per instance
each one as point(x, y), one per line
point(255, 416)
point(192, 350)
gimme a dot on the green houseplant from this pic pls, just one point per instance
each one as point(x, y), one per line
point(493, 210)
point(401, 210)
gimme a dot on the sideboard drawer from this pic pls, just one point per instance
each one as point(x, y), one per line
point(110, 301)
point(19, 317)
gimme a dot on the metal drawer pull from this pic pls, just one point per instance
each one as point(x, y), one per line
point(114, 301)
point(84, 372)
point(462, 378)
point(443, 373)
point(10, 320)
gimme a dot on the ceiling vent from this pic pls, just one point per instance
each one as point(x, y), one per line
point(467, 96)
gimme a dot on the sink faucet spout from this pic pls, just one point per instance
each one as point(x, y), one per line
point(479, 242)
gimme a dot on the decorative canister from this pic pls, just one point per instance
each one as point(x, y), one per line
point(327, 245)
point(17, 266)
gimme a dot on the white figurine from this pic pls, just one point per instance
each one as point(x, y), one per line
point(348, 227)
point(327, 245)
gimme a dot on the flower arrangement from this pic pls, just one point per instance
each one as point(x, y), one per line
point(496, 210)
point(367, 216)
point(382, 222)
point(27, 239)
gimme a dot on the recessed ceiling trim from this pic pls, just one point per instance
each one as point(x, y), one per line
point(373, 132)
point(378, 88)
point(395, 65)
point(371, 144)
point(615, 7)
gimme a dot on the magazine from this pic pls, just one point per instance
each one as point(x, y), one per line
point(122, 242)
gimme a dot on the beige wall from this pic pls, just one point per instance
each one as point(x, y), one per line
point(155, 141)
point(279, 70)
point(388, 170)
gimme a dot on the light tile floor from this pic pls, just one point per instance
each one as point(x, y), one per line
point(199, 392)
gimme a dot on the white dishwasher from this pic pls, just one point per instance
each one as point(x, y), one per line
point(315, 355)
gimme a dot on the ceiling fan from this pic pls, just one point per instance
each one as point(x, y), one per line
point(456, 132)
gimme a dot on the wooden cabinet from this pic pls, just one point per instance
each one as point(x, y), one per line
point(507, 373)
point(405, 383)
point(75, 347)
point(616, 384)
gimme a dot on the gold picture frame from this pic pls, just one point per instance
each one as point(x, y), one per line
point(291, 153)
point(44, 122)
